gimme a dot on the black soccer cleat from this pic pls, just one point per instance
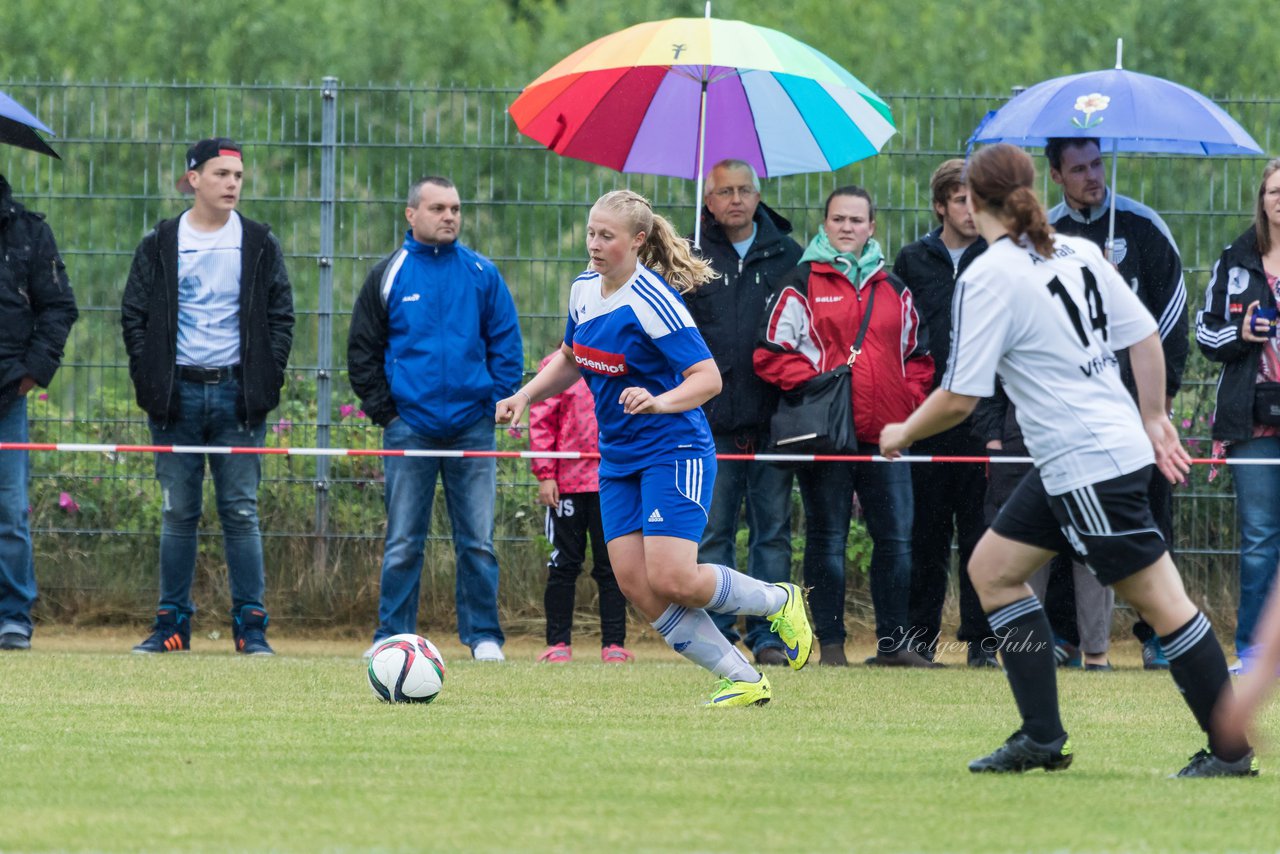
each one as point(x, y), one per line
point(1205, 764)
point(1020, 754)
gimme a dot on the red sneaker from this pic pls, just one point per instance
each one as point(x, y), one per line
point(561, 653)
point(614, 654)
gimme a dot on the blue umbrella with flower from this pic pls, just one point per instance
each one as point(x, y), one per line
point(1124, 111)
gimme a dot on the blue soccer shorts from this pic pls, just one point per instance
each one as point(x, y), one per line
point(666, 499)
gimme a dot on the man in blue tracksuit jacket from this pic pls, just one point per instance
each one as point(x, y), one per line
point(434, 345)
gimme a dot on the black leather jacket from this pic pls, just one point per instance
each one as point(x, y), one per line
point(37, 307)
point(149, 317)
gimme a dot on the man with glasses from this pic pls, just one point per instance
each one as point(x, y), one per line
point(748, 245)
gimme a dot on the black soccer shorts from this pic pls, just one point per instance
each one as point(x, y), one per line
point(1109, 524)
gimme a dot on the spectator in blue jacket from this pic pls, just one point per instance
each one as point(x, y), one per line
point(434, 345)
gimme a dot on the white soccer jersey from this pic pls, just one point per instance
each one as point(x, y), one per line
point(1050, 327)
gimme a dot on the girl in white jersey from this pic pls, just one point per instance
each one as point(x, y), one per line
point(631, 337)
point(1048, 313)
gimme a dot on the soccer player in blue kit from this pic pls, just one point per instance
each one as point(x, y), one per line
point(630, 335)
point(1048, 313)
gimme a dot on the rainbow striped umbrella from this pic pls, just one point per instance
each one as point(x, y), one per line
point(668, 97)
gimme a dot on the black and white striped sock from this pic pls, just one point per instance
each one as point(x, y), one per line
point(1199, 669)
point(1026, 648)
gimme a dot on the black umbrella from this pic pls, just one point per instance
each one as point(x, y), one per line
point(18, 127)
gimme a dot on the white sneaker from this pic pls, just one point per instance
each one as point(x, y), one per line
point(1237, 667)
point(487, 650)
point(368, 653)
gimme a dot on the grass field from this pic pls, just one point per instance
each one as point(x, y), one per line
point(208, 751)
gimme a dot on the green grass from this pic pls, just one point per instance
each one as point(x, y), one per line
point(207, 751)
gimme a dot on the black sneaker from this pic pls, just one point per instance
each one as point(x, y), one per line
point(250, 631)
point(833, 655)
point(1020, 754)
point(773, 656)
point(902, 657)
point(979, 657)
point(1205, 764)
point(14, 641)
point(170, 633)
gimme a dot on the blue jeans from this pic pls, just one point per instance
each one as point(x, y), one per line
point(17, 566)
point(1258, 512)
point(470, 490)
point(884, 491)
point(766, 488)
point(207, 416)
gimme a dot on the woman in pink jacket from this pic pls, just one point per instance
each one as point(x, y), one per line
point(570, 490)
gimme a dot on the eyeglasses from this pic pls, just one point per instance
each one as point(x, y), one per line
point(730, 192)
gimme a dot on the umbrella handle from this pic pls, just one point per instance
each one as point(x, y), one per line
point(702, 153)
point(562, 125)
point(1109, 249)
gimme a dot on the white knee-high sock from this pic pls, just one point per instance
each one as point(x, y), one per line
point(690, 632)
point(737, 593)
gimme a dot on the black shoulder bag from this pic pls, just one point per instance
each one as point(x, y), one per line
point(817, 417)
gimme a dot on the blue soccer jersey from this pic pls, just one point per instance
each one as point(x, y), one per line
point(641, 335)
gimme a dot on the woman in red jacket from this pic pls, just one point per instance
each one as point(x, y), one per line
point(811, 321)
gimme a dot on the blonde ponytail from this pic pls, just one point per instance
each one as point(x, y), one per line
point(664, 251)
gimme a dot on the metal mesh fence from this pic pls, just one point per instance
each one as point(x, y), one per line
point(328, 166)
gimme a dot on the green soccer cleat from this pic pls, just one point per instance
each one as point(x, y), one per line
point(731, 693)
point(792, 625)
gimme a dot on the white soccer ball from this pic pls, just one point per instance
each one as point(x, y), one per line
point(406, 669)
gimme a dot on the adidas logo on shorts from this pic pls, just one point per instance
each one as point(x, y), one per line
point(655, 516)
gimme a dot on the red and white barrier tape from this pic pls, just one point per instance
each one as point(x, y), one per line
point(77, 447)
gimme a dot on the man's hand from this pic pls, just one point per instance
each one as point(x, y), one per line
point(510, 409)
point(1171, 457)
point(893, 440)
point(549, 492)
point(25, 385)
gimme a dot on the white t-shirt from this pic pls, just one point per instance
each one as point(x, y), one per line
point(209, 294)
point(1050, 327)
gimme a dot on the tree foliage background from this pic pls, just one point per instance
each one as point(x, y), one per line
point(892, 45)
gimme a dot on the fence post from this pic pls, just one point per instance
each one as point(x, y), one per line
point(324, 337)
